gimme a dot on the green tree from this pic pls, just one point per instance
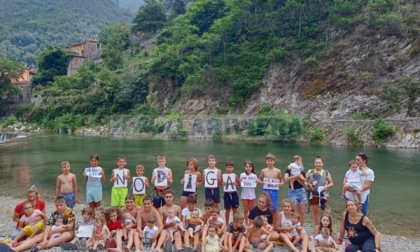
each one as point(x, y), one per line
point(178, 7)
point(52, 62)
point(9, 70)
point(115, 40)
point(150, 18)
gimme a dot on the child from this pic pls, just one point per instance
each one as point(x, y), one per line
point(173, 218)
point(325, 221)
point(234, 236)
point(61, 211)
point(114, 221)
point(66, 185)
point(127, 221)
point(296, 168)
point(213, 176)
point(120, 176)
point(230, 199)
point(28, 225)
point(273, 181)
point(99, 211)
point(217, 221)
point(266, 226)
point(253, 236)
point(86, 220)
point(208, 205)
point(161, 178)
point(99, 234)
point(211, 242)
point(139, 197)
point(192, 165)
point(297, 228)
point(94, 177)
point(248, 181)
point(352, 179)
point(149, 231)
point(57, 227)
point(195, 223)
point(81, 237)
point(324, 242)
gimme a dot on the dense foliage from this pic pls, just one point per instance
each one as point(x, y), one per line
point(28, 27)
point(215, 48)
point(9, 70)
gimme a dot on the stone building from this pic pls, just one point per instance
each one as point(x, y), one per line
point(83, 52)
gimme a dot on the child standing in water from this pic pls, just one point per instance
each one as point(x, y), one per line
point(161, 178)
point(248, 183)
point(66, 185)
point(192, 165)
point(94, 177)
point(120, 178)
point(138, 198)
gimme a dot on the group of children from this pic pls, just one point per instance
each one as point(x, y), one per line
point(105, 224)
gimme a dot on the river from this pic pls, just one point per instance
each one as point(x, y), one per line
point(395, 198)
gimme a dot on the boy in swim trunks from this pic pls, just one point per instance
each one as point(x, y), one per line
point(66, 185)
point(273, 175)
point(253, 236)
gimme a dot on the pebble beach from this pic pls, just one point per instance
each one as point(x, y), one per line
point(389, 243)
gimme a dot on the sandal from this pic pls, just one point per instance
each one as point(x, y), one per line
point(34, 248)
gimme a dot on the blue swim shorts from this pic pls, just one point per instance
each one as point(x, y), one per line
point(274, 195)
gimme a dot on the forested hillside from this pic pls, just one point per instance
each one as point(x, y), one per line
point(295, 61)
point(28, 27)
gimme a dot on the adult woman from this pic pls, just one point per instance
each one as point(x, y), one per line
point(33, 197)
point(319, 181)
point(367, 181)
point(283, 225)
point(298, 194)
point(361, 232)
point(263, 207)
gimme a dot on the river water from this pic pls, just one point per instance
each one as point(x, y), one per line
point(395, 196)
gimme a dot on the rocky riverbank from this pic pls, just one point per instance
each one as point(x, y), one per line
point(389, 243)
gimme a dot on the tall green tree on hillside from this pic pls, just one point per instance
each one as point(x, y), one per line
point(150, 18)
point(52, 62)
point(9, 70)
point(115, 39)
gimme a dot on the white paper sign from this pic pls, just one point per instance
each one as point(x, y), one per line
point(121, 181)
point(211, 179)
point(139, 185)
point(272, 184)
point(249, 181)
point(229, 179)
point(190, 183)
point(161, 178)
point(93, 172)
point(85, 231)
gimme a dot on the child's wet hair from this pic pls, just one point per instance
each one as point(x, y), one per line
point(87, 210)
point(229, 163)
point(94, 156)
point(195, 163)
point(122, 157)
point(211, 156)
point(192, 199)
point(207, 203)
point(65, 163)
point(215, 210)
point(113, 210)
point(258, 222)
point(151, 219)
point(249, 162)
point(270, 156)
point(60, 199)
point(238, 217)
point(140, 167)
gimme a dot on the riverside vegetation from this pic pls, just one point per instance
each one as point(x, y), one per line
point(291, 67)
